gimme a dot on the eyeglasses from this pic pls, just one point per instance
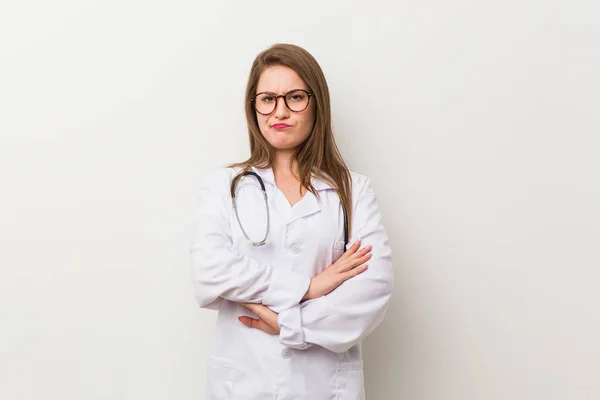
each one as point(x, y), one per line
point(295, 100)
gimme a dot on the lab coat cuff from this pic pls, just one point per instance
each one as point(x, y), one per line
point(287, 288)
point(290, 325)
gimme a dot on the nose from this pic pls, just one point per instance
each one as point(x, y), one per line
point(281, 110)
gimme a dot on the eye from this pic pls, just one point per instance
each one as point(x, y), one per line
point(266, 98)
point(296, 96)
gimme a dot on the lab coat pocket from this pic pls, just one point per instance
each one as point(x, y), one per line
point(338, 250)
point(349, 381)
point(221, 378)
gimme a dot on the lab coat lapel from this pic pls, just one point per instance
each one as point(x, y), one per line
point(309, 204)
point(305, 207)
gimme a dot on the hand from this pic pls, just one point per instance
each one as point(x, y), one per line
point(267, 321)
point(350, 264)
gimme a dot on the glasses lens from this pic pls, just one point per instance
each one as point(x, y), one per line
point(264, 103)
point(297, 100)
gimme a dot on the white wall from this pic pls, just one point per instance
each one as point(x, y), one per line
point(478, 123)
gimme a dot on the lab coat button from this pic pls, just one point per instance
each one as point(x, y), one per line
point(286, 354)
point(296, 249)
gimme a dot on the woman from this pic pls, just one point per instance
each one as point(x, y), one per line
point(293, 305)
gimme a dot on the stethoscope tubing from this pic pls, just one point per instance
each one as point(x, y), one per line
point(262, 187)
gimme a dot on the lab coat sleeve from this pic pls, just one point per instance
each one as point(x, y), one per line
point(218, 272)
point(345, 316)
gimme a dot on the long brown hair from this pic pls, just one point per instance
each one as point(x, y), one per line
point(318, 154)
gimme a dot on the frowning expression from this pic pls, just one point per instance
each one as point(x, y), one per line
point(283, 128)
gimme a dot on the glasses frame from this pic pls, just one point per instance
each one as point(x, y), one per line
point(253, 100)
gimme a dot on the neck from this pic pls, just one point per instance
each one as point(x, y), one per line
point(282, 165)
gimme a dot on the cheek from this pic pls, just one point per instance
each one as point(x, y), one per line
point(308, 120)
point(307, 125)
point(263, 122)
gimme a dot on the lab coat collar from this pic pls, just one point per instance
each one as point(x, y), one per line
point(307, 206)
point(267, 176)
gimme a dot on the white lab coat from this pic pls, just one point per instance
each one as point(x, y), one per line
point(317, 355)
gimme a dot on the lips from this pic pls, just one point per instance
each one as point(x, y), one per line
point(280, 126)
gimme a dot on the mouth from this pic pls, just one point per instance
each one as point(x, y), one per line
point(280, 126)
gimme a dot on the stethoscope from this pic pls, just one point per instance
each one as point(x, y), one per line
point(262, 187)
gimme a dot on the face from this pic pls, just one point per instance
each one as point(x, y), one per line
point(284, 129)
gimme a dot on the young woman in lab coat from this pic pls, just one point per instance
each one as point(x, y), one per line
point(292, 312)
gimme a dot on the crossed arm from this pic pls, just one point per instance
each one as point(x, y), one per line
point(346, 267)
point(336, 309)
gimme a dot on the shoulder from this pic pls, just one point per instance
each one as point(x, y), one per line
point(362, 191)
point(219, 178)
point(360, 182)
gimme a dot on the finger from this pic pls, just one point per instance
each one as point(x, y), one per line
point(258, 324)
point(248, 321)
point(364, 250)
point(250, 306)
point(361, 253)
point(267, 328)
point(352, 263)
point(267, 315)
point(260, 310)
point(256, 308)
point(270, 320)
point(352, 249)
point(363, 259)
point(353, 272)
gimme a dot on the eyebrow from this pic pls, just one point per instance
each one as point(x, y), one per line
point(274, 94)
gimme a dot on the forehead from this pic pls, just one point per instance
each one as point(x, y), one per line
point(279, 79)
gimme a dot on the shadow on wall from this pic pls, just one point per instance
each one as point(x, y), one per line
point(381, 354)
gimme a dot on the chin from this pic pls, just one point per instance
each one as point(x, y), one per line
point(284, 146)
point(283, 143)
